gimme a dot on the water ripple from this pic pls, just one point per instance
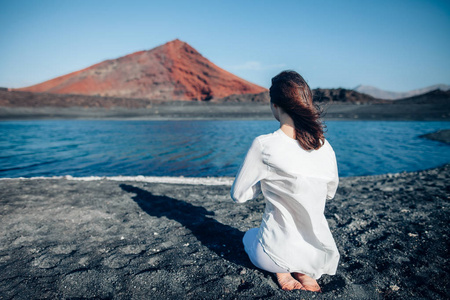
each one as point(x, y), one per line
point(200, 148)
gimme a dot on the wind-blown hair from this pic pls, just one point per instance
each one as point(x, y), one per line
point(291, 92)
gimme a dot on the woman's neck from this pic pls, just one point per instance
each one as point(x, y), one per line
point(287, 125)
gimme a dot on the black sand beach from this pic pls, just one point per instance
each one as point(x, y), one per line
point(104, 239)
point(337, 104)
point(230, 111)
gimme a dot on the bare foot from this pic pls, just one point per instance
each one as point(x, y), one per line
point(310, 284)
point(288, 283)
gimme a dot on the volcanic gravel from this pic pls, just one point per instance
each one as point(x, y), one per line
point(67, 239)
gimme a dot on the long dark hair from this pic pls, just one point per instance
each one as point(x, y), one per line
point(291, 92)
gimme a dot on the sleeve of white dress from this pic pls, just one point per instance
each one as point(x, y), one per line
point(333, 184)
point(246, 185)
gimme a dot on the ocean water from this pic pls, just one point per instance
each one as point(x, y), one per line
point(200, 148)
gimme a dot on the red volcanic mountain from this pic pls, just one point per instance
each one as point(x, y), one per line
point(173, 71)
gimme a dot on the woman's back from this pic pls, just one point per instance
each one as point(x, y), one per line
point(287, 158)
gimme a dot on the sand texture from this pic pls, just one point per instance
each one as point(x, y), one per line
point(66, 239)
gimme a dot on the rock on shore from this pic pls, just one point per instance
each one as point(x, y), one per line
point(441, 136)
point(62, 238)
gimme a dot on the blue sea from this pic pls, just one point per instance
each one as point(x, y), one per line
point(200, 148)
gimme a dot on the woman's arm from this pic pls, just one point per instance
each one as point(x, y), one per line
point(246, 185)
point(333, 184)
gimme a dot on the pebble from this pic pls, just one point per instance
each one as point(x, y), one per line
point(394, 287)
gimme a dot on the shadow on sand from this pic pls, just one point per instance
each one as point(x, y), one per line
point(211, 233)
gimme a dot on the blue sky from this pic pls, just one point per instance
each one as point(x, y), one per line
point(393, 45)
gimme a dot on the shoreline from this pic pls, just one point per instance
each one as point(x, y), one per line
point(65, 238)
point(219, 180)
point(186, 180)
point(229, 111)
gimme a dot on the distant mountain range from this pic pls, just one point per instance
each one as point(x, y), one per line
point(431, 98)
point(319, 95)
point(173, 71)
point(387, 95)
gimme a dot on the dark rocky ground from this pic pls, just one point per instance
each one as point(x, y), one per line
point(338, 104)
point(440, 135)
point(216, 111)
point(65, 239)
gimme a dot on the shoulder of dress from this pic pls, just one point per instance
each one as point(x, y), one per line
point(327, 145)
point(329, 149)
point(265, 138)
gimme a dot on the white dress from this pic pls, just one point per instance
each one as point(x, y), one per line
point(296, 184)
